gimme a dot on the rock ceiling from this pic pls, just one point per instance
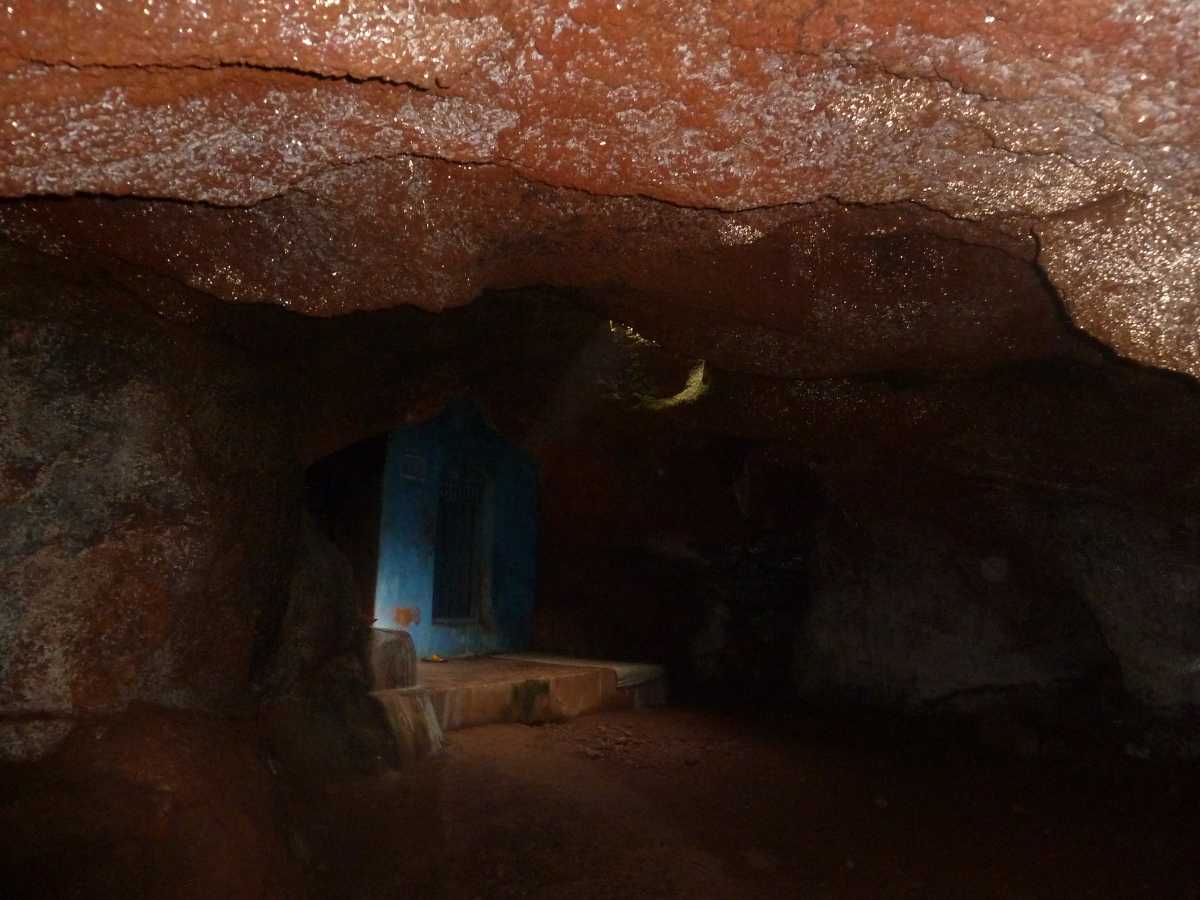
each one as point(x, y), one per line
point(886, 183)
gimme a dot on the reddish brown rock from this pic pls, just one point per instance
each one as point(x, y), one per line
point(142, 545)
point(1128, 270)
point(1017, 115)
point(709, 104)
point(817, 290)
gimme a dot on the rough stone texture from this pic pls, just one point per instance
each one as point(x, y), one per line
point(905, 614)
point(315, 686)
point(413, 721)
point(1139, 573)
point(850, 290)
point(1073, 119)
point(1050, 588)
point(1128, 269)
point(321, 621)
point(683, 501)
point(797, 368)
point(330, 727)
point(700, 104)
point(141, 545)
point(393, 660)
point(903, 541)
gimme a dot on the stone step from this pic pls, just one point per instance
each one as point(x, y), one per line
point(480, 691)
point(528, 688)
point(413, 720)
point(638, 684)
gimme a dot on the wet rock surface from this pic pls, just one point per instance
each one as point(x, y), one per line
point(1070, 125)
point(710, 104)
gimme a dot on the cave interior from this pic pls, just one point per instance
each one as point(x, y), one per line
point(838, 358)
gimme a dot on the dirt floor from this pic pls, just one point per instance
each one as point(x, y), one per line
point(676, 803)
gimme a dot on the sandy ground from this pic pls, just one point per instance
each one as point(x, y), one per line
point(675, 803)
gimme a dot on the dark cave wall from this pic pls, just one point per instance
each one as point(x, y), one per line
point(162, 543)
point(152, 471)
point(919, 608)
point(907, 482)
point(897, 540)
point(937, 544)
point(1039, 528)
point(180, 641)
point(150, 507)
point(628, 518)
point(964, 585)
point(149, 511)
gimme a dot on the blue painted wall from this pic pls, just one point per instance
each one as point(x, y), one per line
point(417, 457)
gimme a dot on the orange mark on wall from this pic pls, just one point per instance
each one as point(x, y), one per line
point(406, 615)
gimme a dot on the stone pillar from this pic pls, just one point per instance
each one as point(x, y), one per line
point(393, 659)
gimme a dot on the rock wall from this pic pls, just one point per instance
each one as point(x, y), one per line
point(321, 722)
point(798, 367)
point(150, 505)
point(925, 545)
point(738, 515)
point(769, 524)
point(150, 500)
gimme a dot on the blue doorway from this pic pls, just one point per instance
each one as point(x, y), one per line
point(458, 537)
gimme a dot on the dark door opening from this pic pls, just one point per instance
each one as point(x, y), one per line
point(459, 564)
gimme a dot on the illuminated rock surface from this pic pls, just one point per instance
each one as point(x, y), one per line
point(1072, 121)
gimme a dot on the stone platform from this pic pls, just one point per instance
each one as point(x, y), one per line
point(529, 688)
point(638, 684)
